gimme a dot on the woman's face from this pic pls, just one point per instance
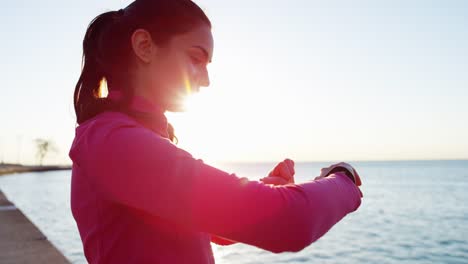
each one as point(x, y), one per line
point(178, 68)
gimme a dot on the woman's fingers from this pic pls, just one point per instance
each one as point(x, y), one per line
point(274, 180)
point(290, 165)
point(284, 169)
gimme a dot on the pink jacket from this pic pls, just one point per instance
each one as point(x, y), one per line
point(138, 198)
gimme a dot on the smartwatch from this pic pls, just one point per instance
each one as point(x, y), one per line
point(343, 169)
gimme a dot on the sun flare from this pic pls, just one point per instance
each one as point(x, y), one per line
point(219, 125)
point(188, 86)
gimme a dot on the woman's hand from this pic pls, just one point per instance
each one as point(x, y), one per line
point(282, 174)
point(344, 166)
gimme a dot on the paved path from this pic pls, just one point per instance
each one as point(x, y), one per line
point(21, 241)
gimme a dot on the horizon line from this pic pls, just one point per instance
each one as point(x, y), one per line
point(272, 161)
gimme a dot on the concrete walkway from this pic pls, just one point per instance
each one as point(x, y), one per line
point(21, 241)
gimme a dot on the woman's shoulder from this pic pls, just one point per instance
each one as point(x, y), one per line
point(101, 126)
point(100, 132)
point(108, 120)
point(109, 133)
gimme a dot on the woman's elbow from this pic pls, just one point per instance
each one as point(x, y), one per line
point(300, 241)
point(297, 236)
point(296, 244)
point(304, 241)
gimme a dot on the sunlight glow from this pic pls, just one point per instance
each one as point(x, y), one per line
point(188, 87)
point(102, 90)
point(223, 125)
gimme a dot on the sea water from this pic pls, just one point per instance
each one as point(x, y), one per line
point(412, 212)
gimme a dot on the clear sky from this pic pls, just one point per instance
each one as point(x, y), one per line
point(309, 80)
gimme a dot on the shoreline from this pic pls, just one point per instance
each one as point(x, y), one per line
point(7, 168)
point(22, 241)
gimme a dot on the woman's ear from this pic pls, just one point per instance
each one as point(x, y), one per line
point(142, 45)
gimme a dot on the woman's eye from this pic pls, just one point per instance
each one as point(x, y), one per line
point(196, 60)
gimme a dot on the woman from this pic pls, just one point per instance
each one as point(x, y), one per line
point(138, 198)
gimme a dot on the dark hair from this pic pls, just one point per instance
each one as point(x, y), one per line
point(107, 50)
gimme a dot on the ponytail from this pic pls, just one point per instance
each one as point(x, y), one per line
point(88, 90)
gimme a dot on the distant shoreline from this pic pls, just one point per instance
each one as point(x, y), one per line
point(6, 168)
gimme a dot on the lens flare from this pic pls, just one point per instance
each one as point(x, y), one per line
point(188, 86)
point(186, 104)
point(102, 90)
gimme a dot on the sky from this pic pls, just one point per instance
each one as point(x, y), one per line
point(307, 80)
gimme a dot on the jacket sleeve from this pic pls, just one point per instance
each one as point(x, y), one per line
point(137, 168)
point(221, 241)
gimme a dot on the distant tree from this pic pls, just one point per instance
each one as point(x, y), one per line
point(43, 146)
